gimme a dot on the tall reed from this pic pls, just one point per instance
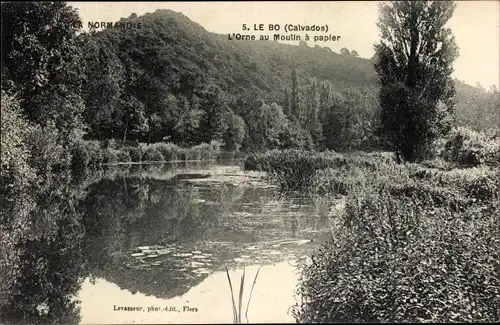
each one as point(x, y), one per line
point(237, 310)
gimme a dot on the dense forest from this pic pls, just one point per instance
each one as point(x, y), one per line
point(172, 81)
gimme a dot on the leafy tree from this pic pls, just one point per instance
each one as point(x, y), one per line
point(414, 65)
point(104, 90)
point(188, 121)
point(135, 121)
point(266, 126)
point(41, 58)
point(312, 123)
point(295, 97)
point(344, 51)
point(325, 98)
point(215, 108)
point(16, 174)
point(286, 104)
point(235, 133)
point(354, 53)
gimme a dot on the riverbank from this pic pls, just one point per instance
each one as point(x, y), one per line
point(415, 242)
point(96, 154)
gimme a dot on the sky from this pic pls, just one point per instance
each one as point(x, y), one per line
point(475, 25)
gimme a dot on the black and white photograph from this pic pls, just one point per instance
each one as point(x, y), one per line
point(183, 162)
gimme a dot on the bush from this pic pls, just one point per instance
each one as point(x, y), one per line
point(152, 153)
point(46, 152)
point(123, 156)
point(96, 154)
point(135, 153)
point(467, 148)
point(16, 174)
point(80, 155)
point(169, 151)
point(110, 156)
point(397, 259)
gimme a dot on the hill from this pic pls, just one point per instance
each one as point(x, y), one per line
point(171, 77)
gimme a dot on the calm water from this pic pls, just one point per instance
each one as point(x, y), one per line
point(159, 240)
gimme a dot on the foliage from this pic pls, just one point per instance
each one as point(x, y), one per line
point(47, 153)
point(413, 243)
point(477, 108)
point(16, 180)
point(15, 130)
point(169, 151)
point(96, 156)
point(80, 156)
point(237, 311)
point(414, 66)
point(397, 259)
point(110, 155)
point(41, 62)
point(152, 153)
point(300, 170)
point(135, 153)
point(467, 148)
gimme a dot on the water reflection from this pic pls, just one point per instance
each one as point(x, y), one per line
point(159, 231)
point(45, 264)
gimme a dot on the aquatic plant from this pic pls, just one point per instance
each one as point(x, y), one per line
point(237, 309)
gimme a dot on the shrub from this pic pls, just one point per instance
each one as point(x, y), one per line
point(80, 155)
point(468, 148)
point(46, 152)
point(400, 259)
point(110, 156)
point(111, 143)
point(169, 151)
point(123, 156)
point(96, 154)
point(135, 153)
point(16, 174)
point(152, 153)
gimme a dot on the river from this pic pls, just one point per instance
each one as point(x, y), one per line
point(155, 242)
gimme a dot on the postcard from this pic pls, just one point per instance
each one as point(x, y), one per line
point(249, 162)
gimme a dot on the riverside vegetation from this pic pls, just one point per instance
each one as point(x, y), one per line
point(414, 242)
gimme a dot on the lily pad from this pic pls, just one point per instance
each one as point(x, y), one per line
point(197, 264)
point(202, 271)
point(200, 257)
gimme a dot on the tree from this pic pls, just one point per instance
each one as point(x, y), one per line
point(414, 66)
point(235, 132)
point(42, 61)
point(354, 53)
point(312, 122)
point(344, 51)
point(266, 126)
point(295, 98)
point(105, 80)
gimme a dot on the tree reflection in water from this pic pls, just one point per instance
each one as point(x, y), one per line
point(89, 226)
point(46, 264)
